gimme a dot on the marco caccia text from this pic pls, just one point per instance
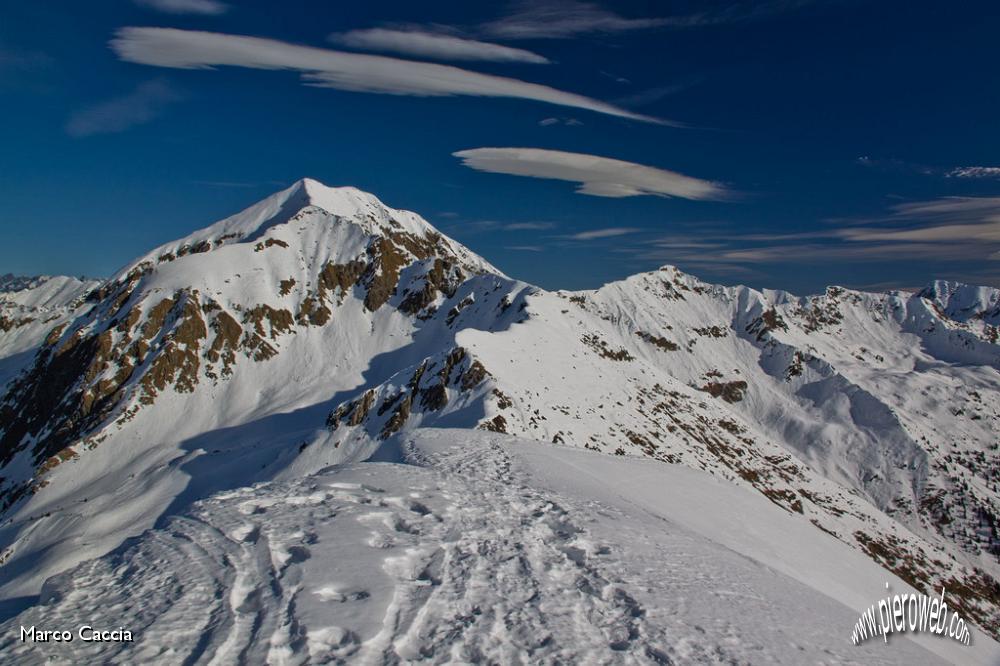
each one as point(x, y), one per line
point(85, 633)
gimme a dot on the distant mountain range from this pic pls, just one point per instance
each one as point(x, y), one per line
point(320, 326)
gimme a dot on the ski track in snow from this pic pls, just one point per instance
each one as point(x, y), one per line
point(462, 557)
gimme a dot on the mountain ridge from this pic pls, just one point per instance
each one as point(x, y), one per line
point(290, 336)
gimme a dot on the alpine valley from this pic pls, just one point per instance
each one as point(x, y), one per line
point(320, 431)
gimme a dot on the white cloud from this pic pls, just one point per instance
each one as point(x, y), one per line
point(525, 248)
point(603, 233)
point(433, 45)
point(121, 113)
point(187, 49)
point(974, 172)
point(598, 176)
point(206, 7)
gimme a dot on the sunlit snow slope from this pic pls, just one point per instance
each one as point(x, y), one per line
point(478, 548)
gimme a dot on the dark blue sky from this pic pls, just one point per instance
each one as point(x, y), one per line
point(822, 142)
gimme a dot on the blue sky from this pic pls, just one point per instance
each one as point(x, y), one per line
point(784, 143)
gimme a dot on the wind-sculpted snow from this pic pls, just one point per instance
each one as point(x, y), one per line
point(320, 327)
point(483, 549)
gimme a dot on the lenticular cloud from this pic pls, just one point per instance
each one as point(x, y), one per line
point(191, 49)
point(597, 176)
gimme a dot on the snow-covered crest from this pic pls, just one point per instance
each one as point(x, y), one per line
point(329, 207)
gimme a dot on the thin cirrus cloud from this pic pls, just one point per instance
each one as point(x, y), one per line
point(949, 229)
point(545, 19)
point(557, 19)
point(897, 165)
point(356, 72)
point(563, 19)
point(568, 122)
point(204, 7)
point(610, 232)
point(974, 172)
point(597, 176)
point(949, 220)
point(528, 226)
point(434, 46)
point(481, 226)
point(118, 114)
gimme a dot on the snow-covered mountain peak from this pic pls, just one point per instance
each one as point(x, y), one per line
point(307, 270)
point(42, 291)
point(10, 282)
point(962, 302)
point(343, 201)
point(318, 222)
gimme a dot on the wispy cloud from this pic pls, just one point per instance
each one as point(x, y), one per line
point(892, 164)
point(809, 253)
point(952, 229)
point(525, 248)
point(610, 232)
point(562, 19)
point(568, 122)
point(536, 19)
point(974, 172)
point(651, 95)
point(952, 220)
point(204, 7)
point(433, 45)
point(483, 226)
point(957, 237)
point(118, 114)
point(186, 49)
point(544, 19)
point(597, 176)
point(528, 226)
